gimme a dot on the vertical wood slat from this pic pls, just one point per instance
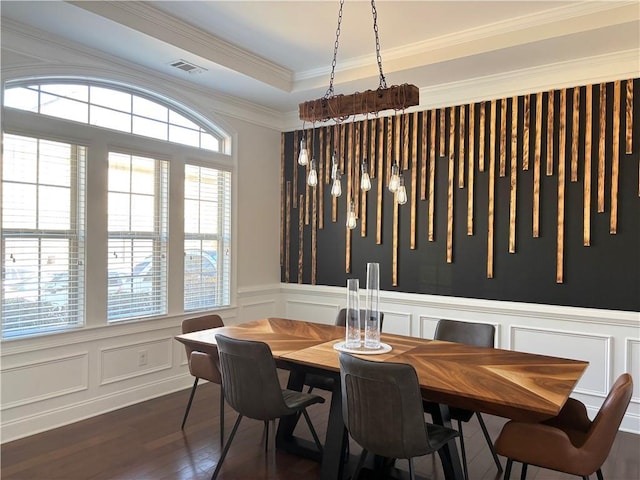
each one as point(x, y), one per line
point(300, 240)
point(349, 168)
point(405, 142)
point(381, 180)
point(513, 175)
point(363, 194)
point(562, 147)
point(432, 176)
point(575, 134)
point(314, 235)
point(526, 116)
point(423, 158)
point(481, 137)
point(550, 122)
point(536, 167)
point(450, 189)
point(629, 118)
point(414, 181)
point(321, 175)
point(390, 158)
point(492, 133)
point(601, 145)
point(306, 173)
point(287, 248)
point(586, 195)
point(394, 247)
point(363, 214)
point(491, 200)
point(400, 130)
point(296, 151)
point(461, 135)
point(615, 159)
point(373, 126)
point(347, 256)
point(356, 131)
point(341, 151)
point(503, 137)
point(441, 114)
point(470, 171)
point(282, 197)
point(330, 132)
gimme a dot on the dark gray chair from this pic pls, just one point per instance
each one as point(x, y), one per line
point(252, 388)
point(479, 335)
point(323, 382)
point(382, 410)
point(570, 442)
point(202, 365)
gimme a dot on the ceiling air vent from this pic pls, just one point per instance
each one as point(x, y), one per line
point(187, 67)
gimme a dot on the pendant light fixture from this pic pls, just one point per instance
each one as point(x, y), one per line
point(312, 176)
point(365, 179)
point(303, 157)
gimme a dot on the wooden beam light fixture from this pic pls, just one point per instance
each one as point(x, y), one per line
point(340, 107)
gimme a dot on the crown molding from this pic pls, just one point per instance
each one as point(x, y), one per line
point(157, 24)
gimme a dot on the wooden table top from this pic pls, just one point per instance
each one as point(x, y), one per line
point(506, 383)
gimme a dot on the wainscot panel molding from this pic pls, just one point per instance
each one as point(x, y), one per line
point(123, 362)
point(608, 339)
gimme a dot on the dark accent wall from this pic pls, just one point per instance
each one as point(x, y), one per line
point(604, 275)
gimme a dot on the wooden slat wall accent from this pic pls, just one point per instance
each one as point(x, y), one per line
point(629, 119)
point(282, 197)
point(481, 137)
point(525, 131)
point(423, 158)
point(536, 168)
point(615, 159)
point(327, 154)
point(513, 176)
point(300, 241)
point(356, 168)
point(492, 133)
point(441, 114)
point(575, 134)
point(561, 186)
point(296, 151)
point(414, 141)
point(470, 171)
point(601, 145)
point(405, 142)
point(432, 176)
point(287, 247)
point(390, 155)
point(373, 125)
point(414, 181)
point(381, 178)
point(314, 235)
point(452, 156)
point(394, 246)
point(400, 130)
point(550, 121)
point(381, 143)
point(503, 137)
point(562, 133)
point(363, 199)
point(586, 196)
point(491, 202)
point(306, 173)
point(342, 148)
point(321, 175)
point(461, 136)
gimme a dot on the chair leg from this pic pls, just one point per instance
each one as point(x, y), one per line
point(266, 436)
point(463, 452)
point(273, 445)
point(489, 441)
point(523, 474)
point(599, 474)
point(221, 416)
point(186, 413)
point(507, 469)
point(226, 448)
point(361, 460)
point(412, 474)
point(313, 430)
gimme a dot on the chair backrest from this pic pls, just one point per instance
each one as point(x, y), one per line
point(196, 324)
point(249, 378)
point(469, 333)
point(341, 319)
point(607, 422)
point(382, 407)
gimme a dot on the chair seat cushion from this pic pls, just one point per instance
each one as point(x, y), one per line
point(298, 400)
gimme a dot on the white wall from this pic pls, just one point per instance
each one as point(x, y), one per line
point(57, 379)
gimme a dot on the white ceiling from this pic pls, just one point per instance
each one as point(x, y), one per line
point(276, 54)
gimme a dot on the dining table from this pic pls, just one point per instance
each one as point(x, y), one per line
point(507, 383)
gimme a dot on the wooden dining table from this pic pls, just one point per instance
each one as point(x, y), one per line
point(505, 383)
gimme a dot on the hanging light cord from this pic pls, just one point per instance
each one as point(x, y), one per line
point(383, 81)
point(330, 92)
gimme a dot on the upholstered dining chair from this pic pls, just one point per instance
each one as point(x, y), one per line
point(570, 442)
point(202, 365)
point(480, 335)
point(382, 410)
point(251, 387)
point(323, 382)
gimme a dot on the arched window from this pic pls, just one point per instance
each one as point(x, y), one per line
point(90, 233)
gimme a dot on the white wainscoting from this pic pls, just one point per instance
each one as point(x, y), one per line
point(608, 340)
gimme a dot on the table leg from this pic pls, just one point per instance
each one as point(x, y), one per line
point(333, 459)
point(449, 453)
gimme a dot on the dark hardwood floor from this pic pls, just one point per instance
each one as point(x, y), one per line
point(144, 441)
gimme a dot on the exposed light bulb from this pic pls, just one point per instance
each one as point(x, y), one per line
point(394, 181)
point(303, 157)
point(401, 194)
point(312, 177)
point(336, 187)
point(351, 217)
point(365, 180)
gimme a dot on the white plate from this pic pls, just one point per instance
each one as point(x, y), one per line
point(384, 348)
